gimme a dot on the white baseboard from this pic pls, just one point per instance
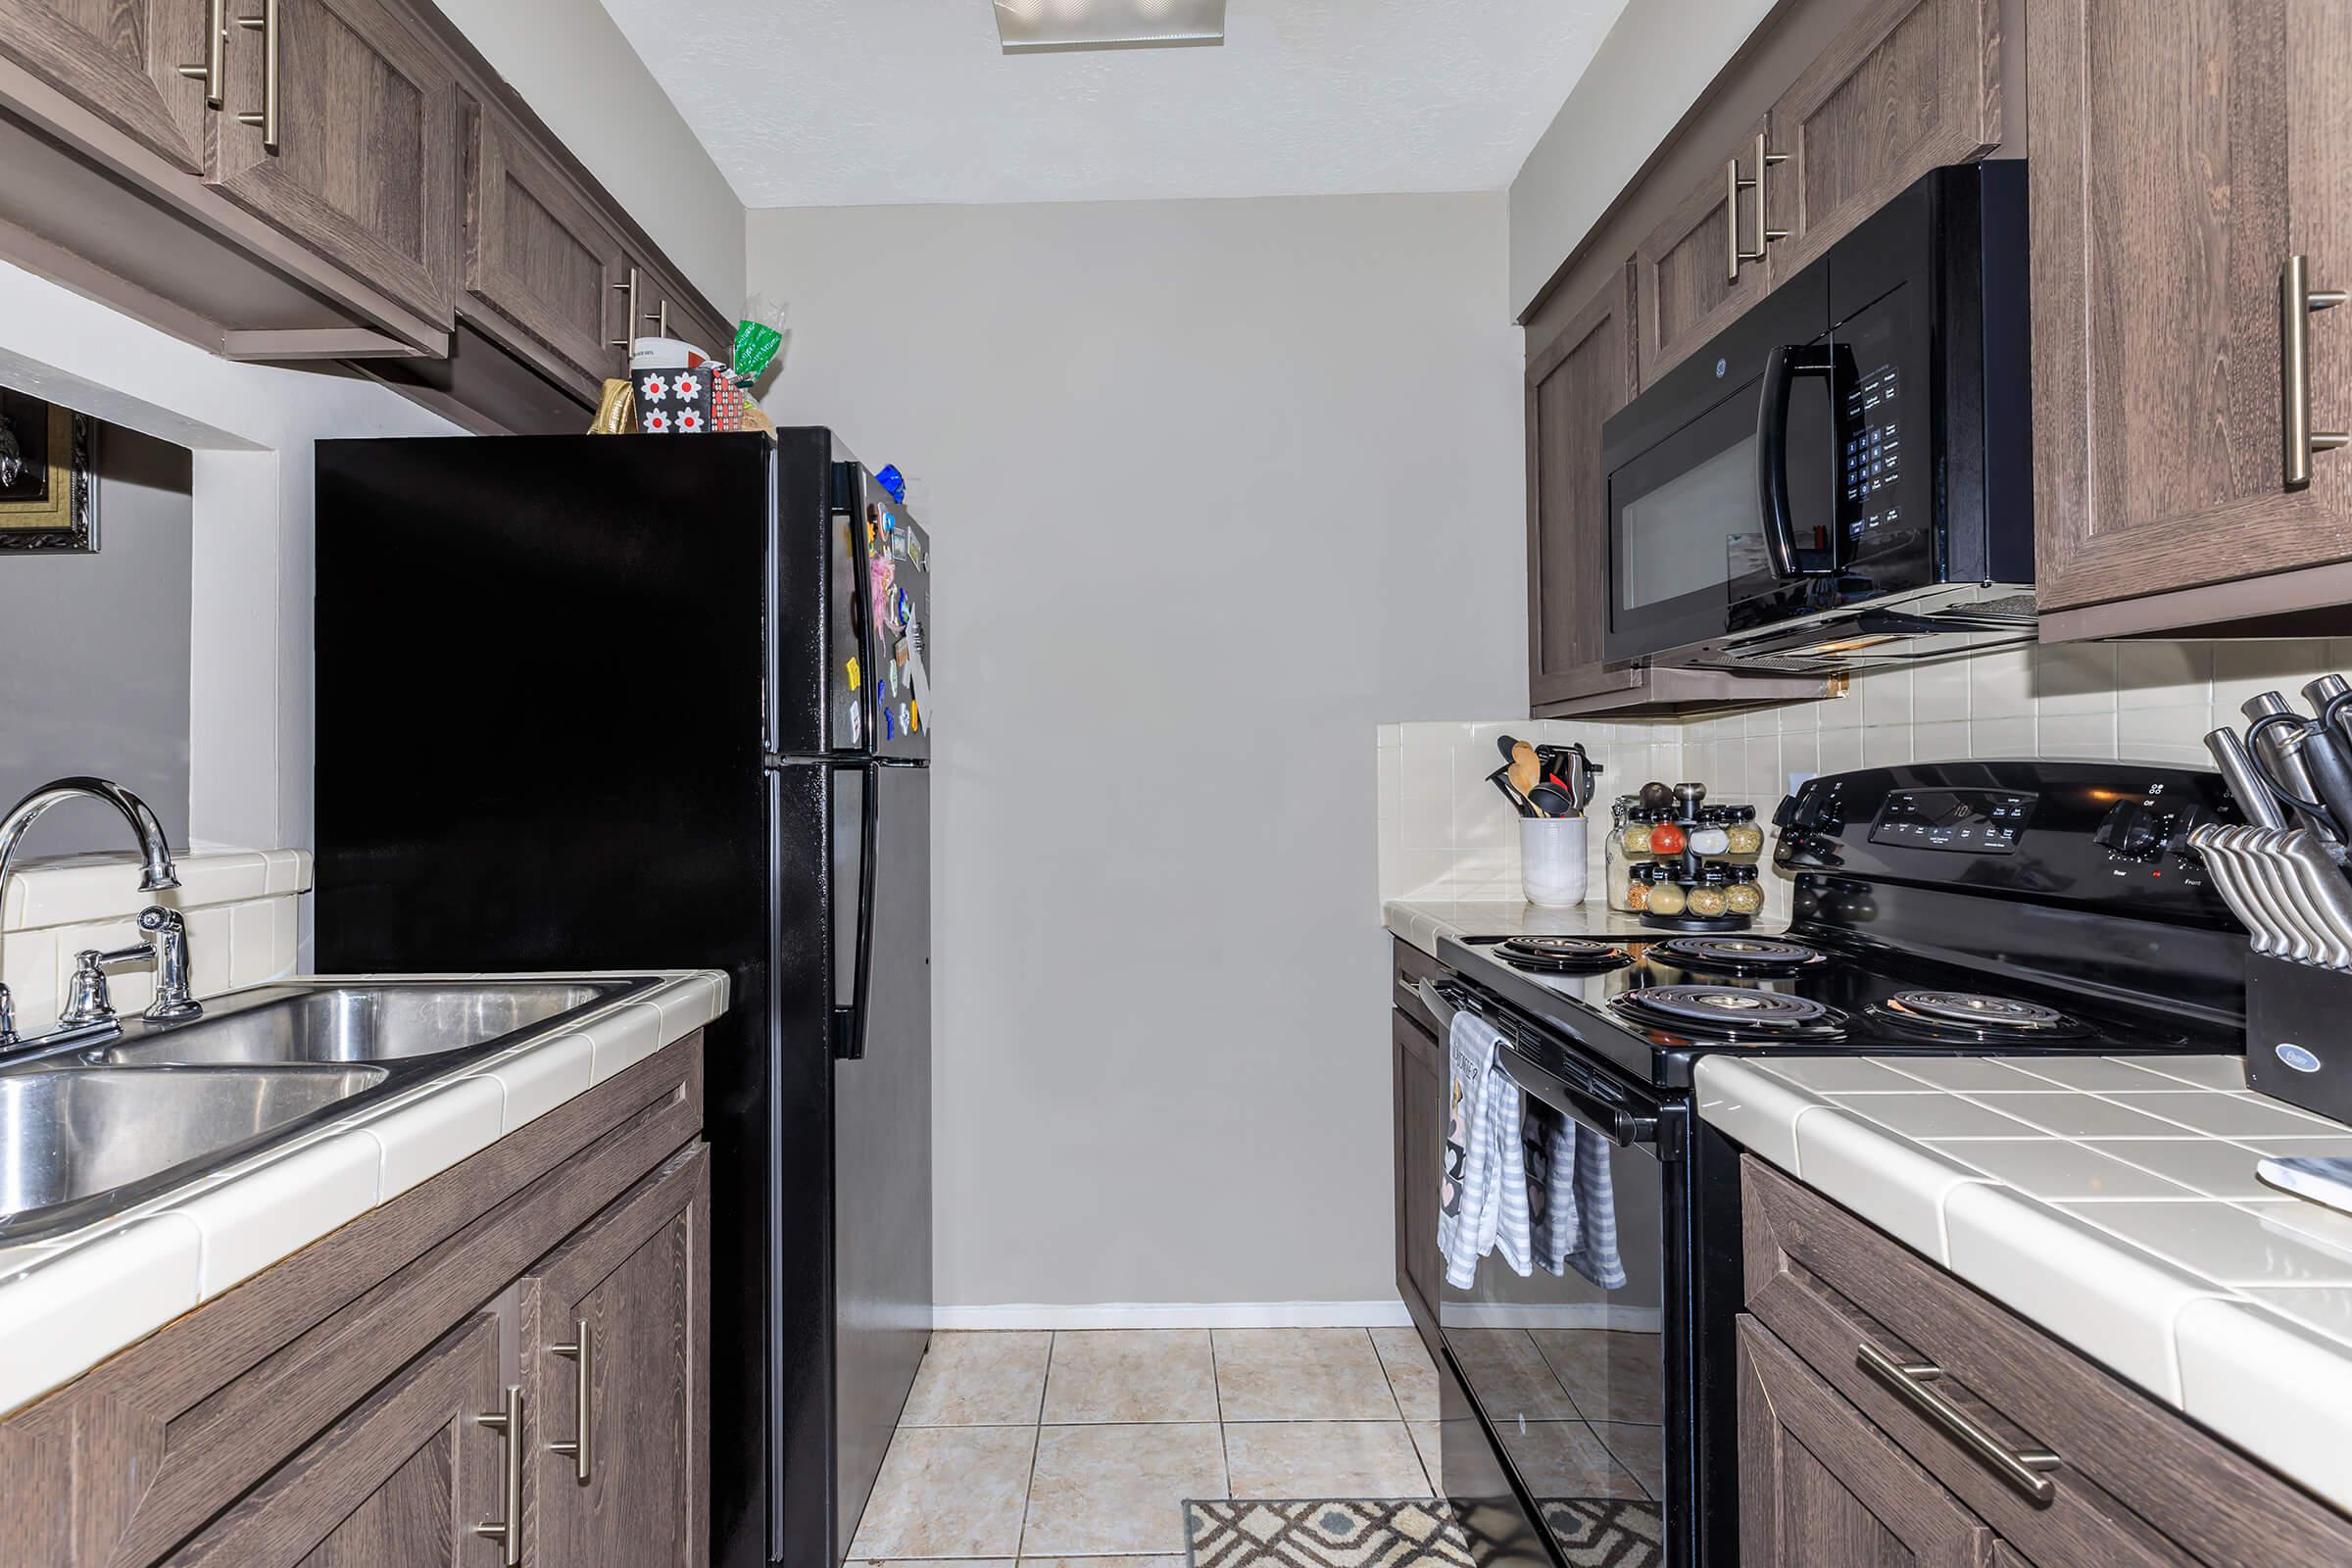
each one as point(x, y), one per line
point(1386, 1314)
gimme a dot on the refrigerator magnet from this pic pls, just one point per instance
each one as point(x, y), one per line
point(906, 720)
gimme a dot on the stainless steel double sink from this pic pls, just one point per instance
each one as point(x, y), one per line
point(91, 1129)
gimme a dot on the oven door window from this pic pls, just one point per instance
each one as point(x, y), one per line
point(1686, 552)
point(1567, 1361)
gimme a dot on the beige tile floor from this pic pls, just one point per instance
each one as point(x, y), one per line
point(1074, 1450)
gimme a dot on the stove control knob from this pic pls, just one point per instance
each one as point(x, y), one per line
point(2131, 830)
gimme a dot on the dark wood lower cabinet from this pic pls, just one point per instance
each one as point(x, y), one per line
point(1419, 1083)
point(1819, 1485)
point(1835, 1467)
point(328, 1412)
point(614, 1323)
point(390, 1485)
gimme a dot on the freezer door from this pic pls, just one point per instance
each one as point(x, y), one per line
point(881, 1115)
point(894, 567)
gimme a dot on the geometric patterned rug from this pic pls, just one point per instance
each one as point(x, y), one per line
point(1600, 1533)
point(1373, 1533)
point(1325, 1534)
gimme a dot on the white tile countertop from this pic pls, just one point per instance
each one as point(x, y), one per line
point(1421, 923)
point(69, 1301)
point(2111, 1200)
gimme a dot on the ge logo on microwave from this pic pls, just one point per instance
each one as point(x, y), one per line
point(1720, 368)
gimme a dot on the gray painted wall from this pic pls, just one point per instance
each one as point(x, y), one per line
point(1649, 70)
point(1216, 488)
point(96, 653)
point(572, 65)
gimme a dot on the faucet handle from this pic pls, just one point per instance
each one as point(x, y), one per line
point(86, 997)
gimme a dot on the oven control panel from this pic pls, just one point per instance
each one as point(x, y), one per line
point(1962, 821)
point(2088, 834)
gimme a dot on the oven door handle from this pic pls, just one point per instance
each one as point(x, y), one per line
point(1782, 367)
point(1620, 1126)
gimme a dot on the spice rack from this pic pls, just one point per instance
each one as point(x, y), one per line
point(1682, 864)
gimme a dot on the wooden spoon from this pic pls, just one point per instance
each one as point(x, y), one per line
point(1527, 769)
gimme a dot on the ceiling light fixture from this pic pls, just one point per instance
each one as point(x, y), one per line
point(1038, 26)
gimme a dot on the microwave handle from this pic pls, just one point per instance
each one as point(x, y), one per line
point(1782, 367)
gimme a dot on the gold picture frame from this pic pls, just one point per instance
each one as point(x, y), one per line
point(54, 505)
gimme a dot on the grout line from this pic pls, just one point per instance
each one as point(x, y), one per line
point(1216, 1393)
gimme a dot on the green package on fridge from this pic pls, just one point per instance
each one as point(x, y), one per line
point(755, 344)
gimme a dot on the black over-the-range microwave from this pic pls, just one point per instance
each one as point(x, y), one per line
point(1842, 478)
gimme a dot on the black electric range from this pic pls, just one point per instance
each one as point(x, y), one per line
point(1981, 908)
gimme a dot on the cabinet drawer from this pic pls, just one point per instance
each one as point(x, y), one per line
point(1413, 965)
point(2136, 1484)
point(1820, 1483)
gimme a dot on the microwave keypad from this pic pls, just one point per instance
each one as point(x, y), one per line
point(1873, 452)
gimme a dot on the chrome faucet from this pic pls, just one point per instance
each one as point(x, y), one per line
point(89, 1010)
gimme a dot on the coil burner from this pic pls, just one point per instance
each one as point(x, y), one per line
point(1561, 954)
point(1731, 1012)
point(1735, 955)
point(1967, 1015)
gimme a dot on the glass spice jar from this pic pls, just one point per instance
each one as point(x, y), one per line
point(1745, 895)
point(1745, 838)
point(1616, 866)
point(1709, 900)
point(1667, 897)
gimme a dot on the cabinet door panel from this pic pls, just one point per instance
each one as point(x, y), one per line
point(2180, 155)
point(365, 172)
point(1419, 1087)
point(121, 57)
point(1910, 86)
point(1578, 380)
point(638, 1277)
point(399, 1483)
point(1682, 278)
point(1820, 1485)
point(536, 253)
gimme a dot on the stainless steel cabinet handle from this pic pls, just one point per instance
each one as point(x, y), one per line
point(266, 25)
point(1764, 236)
point(582, 1351)
point(628, 328)
point(660, 317)
point(1733, 255)
point(216, 53)
point(2297, 441)
point(507, 1528)
point(1908, 1382)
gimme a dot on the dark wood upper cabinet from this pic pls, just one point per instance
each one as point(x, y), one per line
point(616, 1332)
point(390, 1485)
point(121, 58)
point(1908, 87)
point(2180, 155)
point(1579, 378)
point(1818, 1484)
point(365, 168)
point(538, 257)
point(1696, 271)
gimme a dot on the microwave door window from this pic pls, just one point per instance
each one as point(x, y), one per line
point(1678, 537)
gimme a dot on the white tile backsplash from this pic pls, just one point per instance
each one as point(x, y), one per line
point(239, 905)
point(1446, 833)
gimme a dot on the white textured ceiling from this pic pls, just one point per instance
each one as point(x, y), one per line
point(819, 102)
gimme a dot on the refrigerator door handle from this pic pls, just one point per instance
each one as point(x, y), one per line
point(848, 1022)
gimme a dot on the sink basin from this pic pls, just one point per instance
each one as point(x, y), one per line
point(389, 1021)
point(81, 1134)
point(86, 1133)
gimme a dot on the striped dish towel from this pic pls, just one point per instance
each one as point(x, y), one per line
point(1483, 1202)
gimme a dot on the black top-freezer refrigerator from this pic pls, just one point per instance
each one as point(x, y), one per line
point(635, 702)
